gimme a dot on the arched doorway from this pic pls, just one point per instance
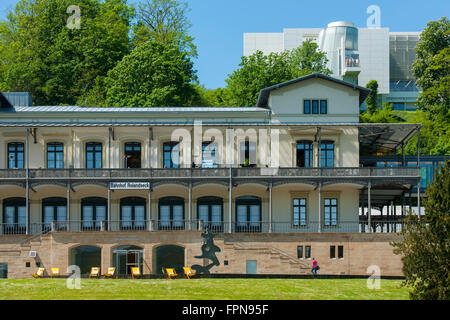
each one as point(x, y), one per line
point(126, 257)
point(86, 257)
point(169, 256)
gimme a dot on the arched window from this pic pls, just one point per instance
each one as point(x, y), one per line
point(304, 154)
point(93, 213)
point(210, 210)
point(14, 216)
point(248, 214)
point(171, 213)
point(126, 257)
point(54, 209)
point(16, 155)
point(327, 154)
point(94, 155)
point(169, 256)
point(86, 257)
point(132, 213)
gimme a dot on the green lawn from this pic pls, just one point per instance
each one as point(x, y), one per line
point(198, 289)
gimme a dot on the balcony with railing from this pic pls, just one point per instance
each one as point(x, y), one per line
point(146, 174)
point(199, 225)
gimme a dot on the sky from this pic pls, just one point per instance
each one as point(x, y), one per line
point(218, 25)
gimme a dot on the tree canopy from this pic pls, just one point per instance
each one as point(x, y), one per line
point(432, 69)
point(259, 71)
point(57, 64)
point(425, 245)
point(164, 21)
point(153, 74)
point(371, 101)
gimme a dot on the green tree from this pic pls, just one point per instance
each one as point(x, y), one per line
point(383, 115)
point(432, 69)
point(371, 101)
point(259, 71)
point(56, 64)
point(153, 74)
point(425, 245)
point(164, 21)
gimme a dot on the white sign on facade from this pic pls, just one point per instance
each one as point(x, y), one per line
point(129, 185)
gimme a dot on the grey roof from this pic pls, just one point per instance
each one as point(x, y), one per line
point(4, 103)
point(264, 93)
point(60, 109)
point(22, 99)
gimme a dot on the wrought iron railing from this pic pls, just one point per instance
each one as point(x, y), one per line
point(162, 173)
point(378, 226)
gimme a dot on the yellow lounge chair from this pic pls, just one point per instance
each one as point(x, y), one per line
point(135, 272)
point(39, 273)
point(188, 273)
point(110, 272)
point(171, 273)
point(95, 272)
point(54, 272)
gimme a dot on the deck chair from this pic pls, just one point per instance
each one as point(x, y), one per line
point(39, 273)
point(135, 272)
point(188, 273)
point(95, 272)
point(54, 272)
point(171, 273)
point(110, 272)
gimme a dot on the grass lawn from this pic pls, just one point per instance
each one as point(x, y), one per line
point(198, 289)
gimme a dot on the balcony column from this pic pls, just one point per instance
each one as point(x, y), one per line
point(319, 151)
point(418, 165)
point(190, 207)
point(68, 207)
point(418, 199)
point(149, 210)
point(27, 184)
point(108, 227)
point(369, 206)
point(270, 207)
point(230, 202)
point(320, 208)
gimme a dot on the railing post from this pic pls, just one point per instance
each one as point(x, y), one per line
point(27, 186)
point(369, 206)
point(270, 207)
point(52, 226)
point(320, 208)
point(230, 201)
point(149, 209)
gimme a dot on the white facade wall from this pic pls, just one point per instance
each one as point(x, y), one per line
point(373, 47)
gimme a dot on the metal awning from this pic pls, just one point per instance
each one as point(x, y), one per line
point(389, 136)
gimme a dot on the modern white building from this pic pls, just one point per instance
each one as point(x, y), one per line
point(356, 55)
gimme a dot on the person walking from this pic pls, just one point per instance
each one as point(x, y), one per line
point(315, 267)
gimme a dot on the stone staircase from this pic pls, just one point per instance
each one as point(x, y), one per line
point(274, 259)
